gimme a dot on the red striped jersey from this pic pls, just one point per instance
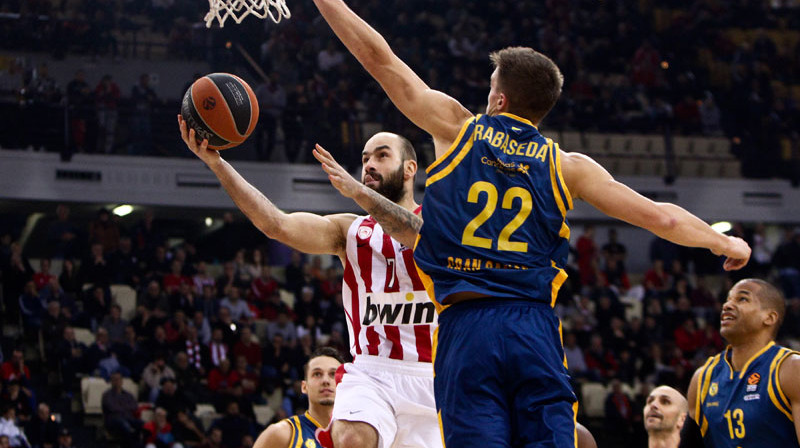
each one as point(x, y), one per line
point(388, 311)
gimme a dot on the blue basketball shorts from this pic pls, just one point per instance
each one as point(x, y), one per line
point(500, 379)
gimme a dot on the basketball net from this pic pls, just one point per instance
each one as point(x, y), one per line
point(239, 9)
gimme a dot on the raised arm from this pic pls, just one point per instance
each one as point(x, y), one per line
point(438, 114)
point(589, 181)
point(305, 232)
point(399, 223)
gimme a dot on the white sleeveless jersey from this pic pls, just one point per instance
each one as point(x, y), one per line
point(389, 313)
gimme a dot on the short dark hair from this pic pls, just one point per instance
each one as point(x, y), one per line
point(407, 151)
point(322, 351)
point(530, 80)
point(771, 298)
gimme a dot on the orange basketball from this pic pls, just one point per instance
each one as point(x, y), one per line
point(222, 108)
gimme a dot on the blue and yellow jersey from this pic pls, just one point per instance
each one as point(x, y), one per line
point(304, 429)
point(495, 214)
point(747, 408)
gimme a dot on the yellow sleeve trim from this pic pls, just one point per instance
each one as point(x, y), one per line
point(707, 379)
point(557, 153)
point(553, 180)
point(698, 398)
point(453, 164)
point(294, 432)
point(299, 443)
point(773, 385)
point(452, 147)
point(704, 427)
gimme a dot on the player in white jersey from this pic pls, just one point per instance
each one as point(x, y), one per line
point(385, 397)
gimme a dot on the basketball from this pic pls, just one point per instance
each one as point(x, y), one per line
point(222, 108)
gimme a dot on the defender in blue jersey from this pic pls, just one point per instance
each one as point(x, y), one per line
point(299, 431)
point(749, 395)
point(493, 243)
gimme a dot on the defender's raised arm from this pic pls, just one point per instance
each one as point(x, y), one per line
point(435, 112)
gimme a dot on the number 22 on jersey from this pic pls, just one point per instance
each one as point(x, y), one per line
point(504, 243)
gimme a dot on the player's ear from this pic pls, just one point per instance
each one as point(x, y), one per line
point(304, 387)
point(771, 319)
point(682, 419)
point(409, 169)
point(502, 102)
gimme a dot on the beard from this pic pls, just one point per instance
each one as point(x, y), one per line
point(391, 187)
point(326, 402)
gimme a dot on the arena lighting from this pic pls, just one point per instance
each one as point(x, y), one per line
point(123, 210)
point(209, 221)
point(721, 226)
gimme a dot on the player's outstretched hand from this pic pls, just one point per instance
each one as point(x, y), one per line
point(738, 253)
point(200, 150)
point(348, 186)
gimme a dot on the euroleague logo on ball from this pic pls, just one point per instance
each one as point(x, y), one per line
point(209, 103)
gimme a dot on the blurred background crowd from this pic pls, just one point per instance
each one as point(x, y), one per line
point(137, 333)
point(702, 67)
point(209, 336)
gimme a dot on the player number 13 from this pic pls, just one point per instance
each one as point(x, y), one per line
point(735, 423)
point(468, 238)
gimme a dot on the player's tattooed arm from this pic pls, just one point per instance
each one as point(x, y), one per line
point(399, 223)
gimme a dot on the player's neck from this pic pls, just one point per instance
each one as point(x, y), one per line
point(742, 351)
point(408, 202)
point(322, 414)
point(664, 439)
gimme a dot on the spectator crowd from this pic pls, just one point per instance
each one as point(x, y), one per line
point(700, 67)
point(225, 326)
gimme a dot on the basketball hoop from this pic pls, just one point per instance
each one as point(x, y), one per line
point(239, 9)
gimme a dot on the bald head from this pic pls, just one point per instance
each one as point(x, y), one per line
point(665, 411)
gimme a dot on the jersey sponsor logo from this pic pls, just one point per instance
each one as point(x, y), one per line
point(508, 167)
point(311, 443)
point(754, 379)
point(712, 404)
point(751, 397)
point(399, 313)
point(713, 389)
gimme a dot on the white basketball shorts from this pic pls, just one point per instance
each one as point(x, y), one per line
point(394, 397)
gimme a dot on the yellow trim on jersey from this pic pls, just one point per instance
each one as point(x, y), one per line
point(441, 427)
point(554, 181)
point(454, 144)
point(316, 423)
point(427, 283)
point(561, 338)
point(704, 427)
point(434, 344)
point(574, 420)
point(453, 164)
point(294, 432)
point(299, 432)
point(707, 379)
point(561, 177)
point(518, 118)
point(697, 400)
point(753, 358)
point(778, 379)
point(556, 284)
point(773, 385)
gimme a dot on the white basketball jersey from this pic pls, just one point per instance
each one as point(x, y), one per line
point(388, 311)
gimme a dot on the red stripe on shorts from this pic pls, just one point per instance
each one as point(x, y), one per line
point(423, 336)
